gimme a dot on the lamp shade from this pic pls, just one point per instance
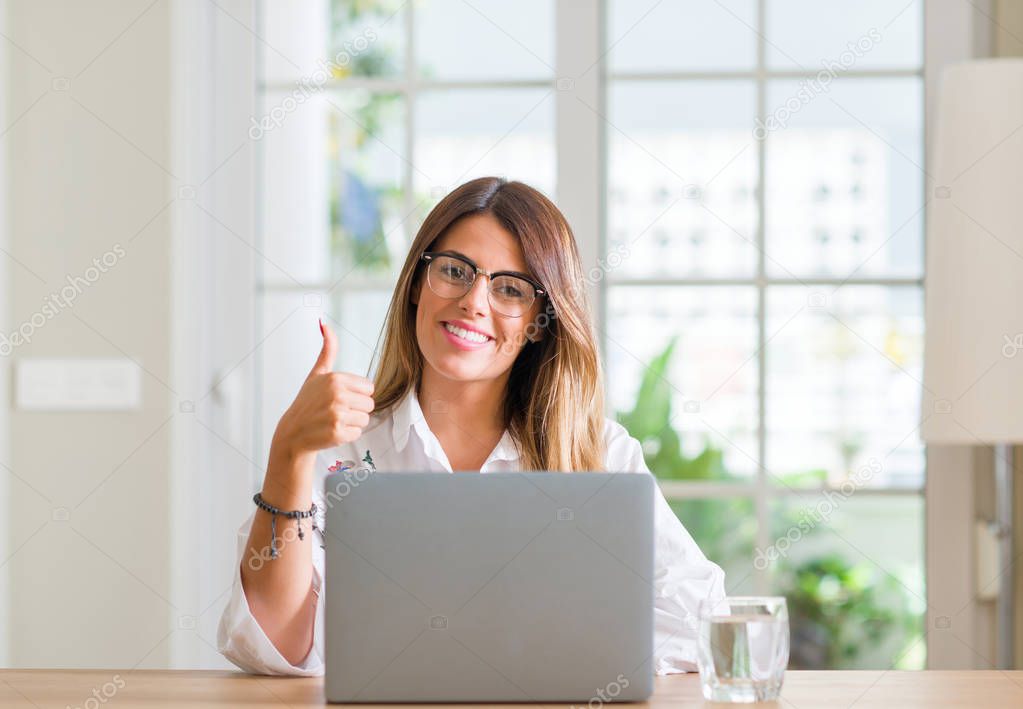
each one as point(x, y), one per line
point(973, 356)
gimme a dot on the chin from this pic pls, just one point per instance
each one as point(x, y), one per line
point(463, 369)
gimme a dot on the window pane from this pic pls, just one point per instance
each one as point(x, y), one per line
point(696, 411)
point(852, 571)
point(725, 530)
point(484, 39)
point(842, 35)
point(682, 177)
point(844, 372)
point(367, 38)
point(333, 176)
point(367, 159)
point(321, 41)
point(843, 178)
point(467, 133)
point(681, 35)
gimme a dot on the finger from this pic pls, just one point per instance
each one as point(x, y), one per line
point(358, 402)
point(358, 384)
point(351, 433)
point(328, 352)
point(359, 419)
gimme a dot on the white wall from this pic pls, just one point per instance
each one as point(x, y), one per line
point(5, 547)
point(88, 166)
point(962, 630)
point(130, 127)
point(216, 337)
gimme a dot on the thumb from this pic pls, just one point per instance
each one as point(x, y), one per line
point(325, 362)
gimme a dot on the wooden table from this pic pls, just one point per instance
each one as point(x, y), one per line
point(111, 689)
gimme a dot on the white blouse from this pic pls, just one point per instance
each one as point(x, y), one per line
point(403, 441)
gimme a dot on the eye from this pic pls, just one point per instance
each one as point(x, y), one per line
point(454, 269)
point(511, 290)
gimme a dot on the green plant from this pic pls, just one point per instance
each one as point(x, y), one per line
point(650, 421)
point(837, 609)
point(360, 204)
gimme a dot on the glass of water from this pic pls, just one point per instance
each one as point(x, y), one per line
point(743, 648)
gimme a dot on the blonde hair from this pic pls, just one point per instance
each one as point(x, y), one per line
point(554, 401)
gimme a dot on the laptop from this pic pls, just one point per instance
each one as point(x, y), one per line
point(493, 587)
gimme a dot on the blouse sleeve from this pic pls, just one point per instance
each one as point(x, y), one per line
point(241, 639)
point(683, 576)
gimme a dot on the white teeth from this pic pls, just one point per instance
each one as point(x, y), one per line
point(465, 334)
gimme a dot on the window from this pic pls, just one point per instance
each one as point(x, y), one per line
point(762, 207)
point(372, 111)
point(765, 185)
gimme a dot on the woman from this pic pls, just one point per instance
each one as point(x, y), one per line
point(489, 364)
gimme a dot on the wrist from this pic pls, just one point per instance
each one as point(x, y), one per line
point(285, 451)
point(289, 475)
point(284, 442)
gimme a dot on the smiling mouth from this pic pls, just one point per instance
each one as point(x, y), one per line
point(471, 336)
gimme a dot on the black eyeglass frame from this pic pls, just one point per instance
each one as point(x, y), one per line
point(538, 289)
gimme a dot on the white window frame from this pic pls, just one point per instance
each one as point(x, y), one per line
point(760, 490)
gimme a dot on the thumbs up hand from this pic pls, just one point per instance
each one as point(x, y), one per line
point(330, 409)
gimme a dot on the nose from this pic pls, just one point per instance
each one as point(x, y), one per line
point(477, 300)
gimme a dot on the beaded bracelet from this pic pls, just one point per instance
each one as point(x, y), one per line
point(292, 514)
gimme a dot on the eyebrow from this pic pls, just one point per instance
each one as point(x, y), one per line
point(520, 274)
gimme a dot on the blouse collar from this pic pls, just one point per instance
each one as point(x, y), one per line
point(408, 416)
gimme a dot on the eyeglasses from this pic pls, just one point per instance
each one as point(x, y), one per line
point(453, 275)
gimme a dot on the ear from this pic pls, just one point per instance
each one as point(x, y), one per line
point(414, 292)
